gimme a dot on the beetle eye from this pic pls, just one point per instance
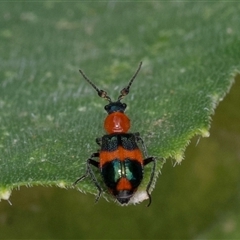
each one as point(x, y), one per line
point(107, 107)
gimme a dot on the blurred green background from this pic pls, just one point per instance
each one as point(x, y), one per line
point(197, 199)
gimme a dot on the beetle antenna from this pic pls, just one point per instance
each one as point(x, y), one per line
point(101, 93)
point(125, 90)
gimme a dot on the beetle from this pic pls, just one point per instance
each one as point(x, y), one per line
point(120, 160)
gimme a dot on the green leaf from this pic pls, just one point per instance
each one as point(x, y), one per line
point(50, 117)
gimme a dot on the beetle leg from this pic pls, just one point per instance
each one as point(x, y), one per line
point(145, 162)
point(99, 141)
point(90, 172)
